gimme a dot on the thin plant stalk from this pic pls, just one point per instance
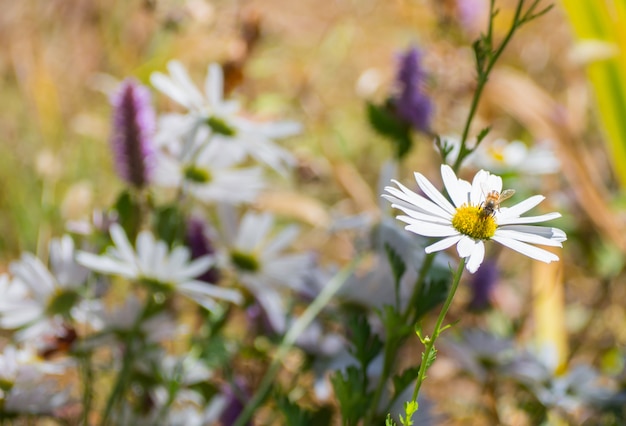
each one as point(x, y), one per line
point(290, 337)
point(429, 350)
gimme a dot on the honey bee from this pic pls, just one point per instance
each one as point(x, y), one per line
point(493, 200)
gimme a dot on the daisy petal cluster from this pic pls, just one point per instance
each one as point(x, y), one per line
point(152, 263)
point(37, 299)
point(26, 384)
point(261, 264)
point(466, 223)
point(220, 121)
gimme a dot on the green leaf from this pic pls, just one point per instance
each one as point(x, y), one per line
point(403, 380)
point(350, 391)
point(129, 214)
point(389, 421)
point(398, 267)
point(482, 134)
point(388, 124)
point(433, 291)
point(170, 224)
point(294, 414)
point(366, 345)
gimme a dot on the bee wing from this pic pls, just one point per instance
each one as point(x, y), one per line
point(506, 194)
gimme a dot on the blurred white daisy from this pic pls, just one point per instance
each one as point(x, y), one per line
point(209, 178)
point(466, 223)
point(236, 136)
point(120, 319)
point(25, 386)
point(503, 156)
point(260, 262)
point(152, 264)
point(37, 299)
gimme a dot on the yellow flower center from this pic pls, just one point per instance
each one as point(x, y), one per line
point(496, 153)
point(473, 222)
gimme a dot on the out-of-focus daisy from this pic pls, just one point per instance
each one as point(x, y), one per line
point(152, 264)
point(208, 177)
point(260, 263)
point(25, 384)
point(121, 319)
point(236, 136)
point(501, 156)
point(38, 298)
point(467, 224)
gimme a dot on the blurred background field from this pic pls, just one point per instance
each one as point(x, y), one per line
point(317, 63)
point(314, 64)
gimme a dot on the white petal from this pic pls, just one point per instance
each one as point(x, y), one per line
point(281, 241)
point(443, 244)
point(428, 229)
point(465, 246)
point(274, 308)
point(526, 249)
point(554, 234)
point(479, 187)
point(458, 189)
point(106, 265)
point(522, 207)
point(122, 244)
point(165, 85)
point(476, 258)
point(253, 229)
point(213, 291)
point(417, 200)
point(214, 85)
point(433, 193)
point(182, 79)
point(527, 219)
point(527, 237)
point(197, 267)
point(422, 216)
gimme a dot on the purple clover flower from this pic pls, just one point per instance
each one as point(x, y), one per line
point(200, 245)
point(133, 126)
point(410, 103)
point(234, 393)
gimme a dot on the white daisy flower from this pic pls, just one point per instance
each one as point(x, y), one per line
point(152, 264)
point(467, 223)
point(209, 178)
point(501, 155)
point(236, 136)
point(37, 298)
point(24, 385)
point(121, 319)
point(260, 263)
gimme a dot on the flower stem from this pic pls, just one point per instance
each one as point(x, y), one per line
point(430, 342)
point(492, 56)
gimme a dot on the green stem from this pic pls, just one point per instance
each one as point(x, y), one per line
point(88, 383)
point(120, 384)
point(483, 75)
point(430, 345)
point(290, 337)
point(389, 355)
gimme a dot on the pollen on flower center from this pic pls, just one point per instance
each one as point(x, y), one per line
point(470, 221)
